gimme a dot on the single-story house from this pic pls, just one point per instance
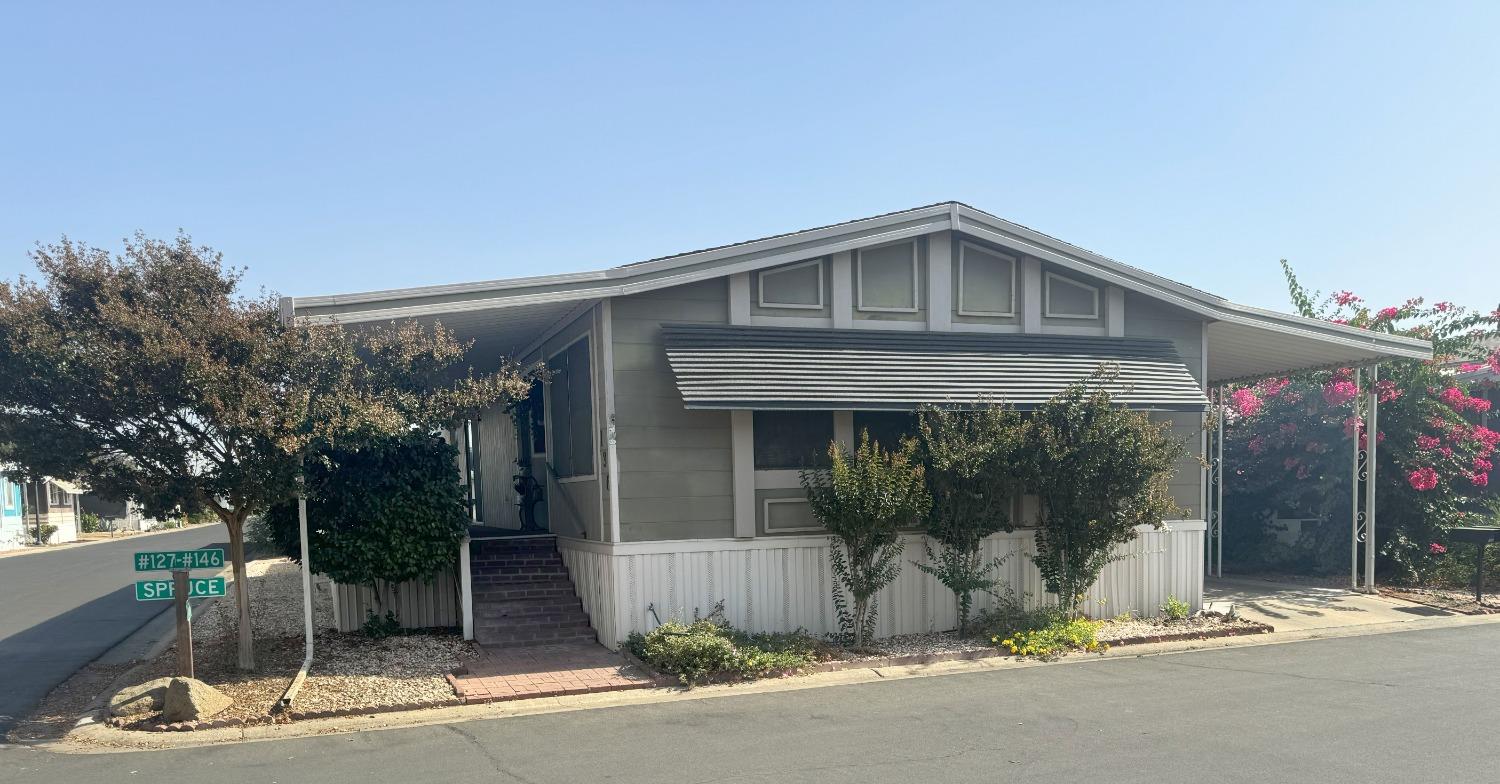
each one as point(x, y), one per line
point(686, 392)
point(46, 502)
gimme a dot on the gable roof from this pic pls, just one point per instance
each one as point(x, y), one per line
point(1259, 335)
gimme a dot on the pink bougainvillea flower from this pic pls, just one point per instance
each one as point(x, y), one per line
point(1257, 445)
point(1428, 442)
point(1480, 480)
point(1424, 478)
point(1446, 451)
point(1272, 386)
point(1470, 367)
point(1454, 397)
point(1245, 402)
point(1387, 314)
point(1482, 465)
point(1345, 298)
point(1337, 393)
point(1478, 404)
point(1387, 390)
point(1443, 307)
point(1436, 549)
point(1353, 425)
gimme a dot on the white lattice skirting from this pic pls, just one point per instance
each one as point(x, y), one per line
point(783, 583)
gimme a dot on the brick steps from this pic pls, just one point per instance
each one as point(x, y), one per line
point(523, 595)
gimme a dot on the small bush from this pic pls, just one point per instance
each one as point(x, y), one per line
point(89, 523)
point(1050, 632)
point(378, 627)
point(709, 647)
point(1176, 609)
point(37, 535)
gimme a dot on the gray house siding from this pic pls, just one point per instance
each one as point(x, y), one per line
point(1146, 317)
point(675, 465)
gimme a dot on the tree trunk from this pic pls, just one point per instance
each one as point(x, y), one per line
point(235, 522)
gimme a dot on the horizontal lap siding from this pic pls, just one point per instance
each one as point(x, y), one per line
point(675, 465)
point(417, 604)
point(785, 586)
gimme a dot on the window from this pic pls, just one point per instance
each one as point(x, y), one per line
point(789, 515)
point(796, 286)
point(56, 496)
point(888, 278)
point(887, 428)
point(986, 282)
point(1071, 299)
point(572, 433)
point(792, 439)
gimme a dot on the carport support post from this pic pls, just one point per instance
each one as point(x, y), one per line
point(1219, 490)
point(1354, 495)
point(1372, 468)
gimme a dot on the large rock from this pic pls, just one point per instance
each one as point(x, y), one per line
point(139, 700)
point(189, 699)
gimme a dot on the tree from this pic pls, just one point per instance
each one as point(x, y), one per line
point(383, 512)
point(969, 458)
point(149, 377)
point(1288, 441)
point(1099, 470)
point(864, 499)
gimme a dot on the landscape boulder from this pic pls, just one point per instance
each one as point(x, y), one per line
point(189, 699)
point(139, 700)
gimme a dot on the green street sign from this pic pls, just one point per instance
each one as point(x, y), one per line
point(153, 590)
point(172, 560)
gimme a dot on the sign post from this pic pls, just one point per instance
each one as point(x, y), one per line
point(179, 589)
point(184, 624)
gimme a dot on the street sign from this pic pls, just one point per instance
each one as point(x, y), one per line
point(153, 590)
point(171, 560)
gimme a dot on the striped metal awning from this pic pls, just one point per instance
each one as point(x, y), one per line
point(720, 367)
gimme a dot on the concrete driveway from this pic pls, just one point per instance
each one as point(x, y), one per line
point(61, 608)
point(1301, 607)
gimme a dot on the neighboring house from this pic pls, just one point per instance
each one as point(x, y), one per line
point(686, 392)
point(11, 514)
point(123, 515)
point(46, 502)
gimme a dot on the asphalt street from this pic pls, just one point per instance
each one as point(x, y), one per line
point(1408, 707)
point(60, 609)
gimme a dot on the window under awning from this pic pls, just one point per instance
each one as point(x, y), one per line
point(736, 367)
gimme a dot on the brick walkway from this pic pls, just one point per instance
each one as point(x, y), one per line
point(499, 674)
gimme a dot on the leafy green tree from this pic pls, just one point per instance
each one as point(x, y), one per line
point(383, 512)
point(1099, 470)
point(149, 377)
point(863, 499)
point(970, 460)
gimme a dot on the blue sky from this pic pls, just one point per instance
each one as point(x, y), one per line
point(336, 148)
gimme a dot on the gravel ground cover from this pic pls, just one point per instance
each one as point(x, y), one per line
point(1455, 599)
point(349, 670)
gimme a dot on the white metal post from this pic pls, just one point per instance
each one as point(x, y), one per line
point(1354, 492)
point(1219, 490)
point(1372, 471)
point(307, 596)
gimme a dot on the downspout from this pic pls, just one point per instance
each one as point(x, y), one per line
point(307, 608)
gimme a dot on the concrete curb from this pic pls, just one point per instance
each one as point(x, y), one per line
point(99, 738)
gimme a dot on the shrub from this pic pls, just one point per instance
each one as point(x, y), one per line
point(864, 499)
point(969, 459)
point(37, 535)
point(709, 647)
point(1175, 609)
point(379, 627)
point(1099, 471)
point(89, 523)
point(1051, 632)
point(386, 513)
